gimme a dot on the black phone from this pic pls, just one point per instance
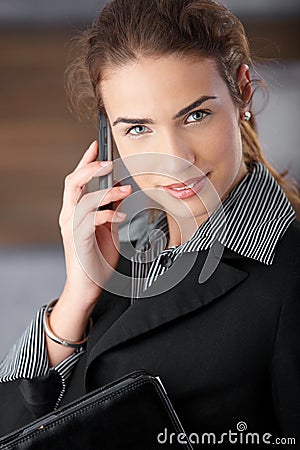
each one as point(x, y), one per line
point(105, 153)
point(105, 143)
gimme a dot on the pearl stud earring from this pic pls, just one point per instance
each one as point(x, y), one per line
point(247, 116)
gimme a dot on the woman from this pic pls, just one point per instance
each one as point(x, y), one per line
point(173, 79)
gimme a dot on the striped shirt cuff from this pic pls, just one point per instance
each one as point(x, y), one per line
point(28, 358)
point(65, 369)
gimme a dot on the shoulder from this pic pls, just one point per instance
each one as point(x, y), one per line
point(289, 244)
point(284, 271)
point(286, 264)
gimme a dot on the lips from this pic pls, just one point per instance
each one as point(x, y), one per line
point(187, 189)
point(185, 184)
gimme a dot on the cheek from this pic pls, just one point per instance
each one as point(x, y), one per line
point(124, 158)
point(225, 144)
point(122, 150)
point(144, 181)
point(145, 184)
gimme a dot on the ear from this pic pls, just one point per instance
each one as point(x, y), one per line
point(244, 82)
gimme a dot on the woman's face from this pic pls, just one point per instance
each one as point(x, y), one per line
point(177, 117)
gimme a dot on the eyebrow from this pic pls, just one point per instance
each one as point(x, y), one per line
point(182, 112)
point(193, 105)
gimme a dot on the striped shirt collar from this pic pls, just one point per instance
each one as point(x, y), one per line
point(250, 221)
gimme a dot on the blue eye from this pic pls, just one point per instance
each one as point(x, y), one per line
point(137, 130)
point(197, 116)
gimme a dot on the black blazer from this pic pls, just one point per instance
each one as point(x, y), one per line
point(227, 350)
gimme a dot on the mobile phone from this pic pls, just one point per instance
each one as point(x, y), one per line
point(105, 153)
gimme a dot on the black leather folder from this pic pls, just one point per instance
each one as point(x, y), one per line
point(133, 413)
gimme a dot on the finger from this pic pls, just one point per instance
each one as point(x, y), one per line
point(91, 202)
point(103, 197)
point(102, 217)
point(75, 182)
point(90, 155)
point(86, 230)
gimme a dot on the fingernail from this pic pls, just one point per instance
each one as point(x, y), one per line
point(93, 143)
point(99, 172)
point(105, 163)
point(125, 188)
point(121, 215)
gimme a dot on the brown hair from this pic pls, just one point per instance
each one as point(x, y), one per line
point(125, 30)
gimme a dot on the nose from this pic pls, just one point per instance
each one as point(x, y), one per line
point(176, 153)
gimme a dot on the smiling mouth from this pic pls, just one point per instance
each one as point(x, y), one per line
point(180, 186)
point(189, 184)
point(187, 189)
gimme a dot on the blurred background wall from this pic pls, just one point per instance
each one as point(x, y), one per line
point(40, 141)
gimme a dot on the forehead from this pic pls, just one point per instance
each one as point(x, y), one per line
point(165, 82)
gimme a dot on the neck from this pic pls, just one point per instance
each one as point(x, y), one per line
point(181, 229)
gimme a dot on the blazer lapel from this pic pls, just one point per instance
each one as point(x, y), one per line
point(159, 306)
